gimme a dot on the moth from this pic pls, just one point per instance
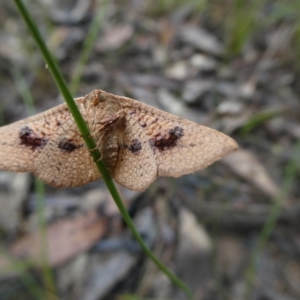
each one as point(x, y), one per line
point(138, 143)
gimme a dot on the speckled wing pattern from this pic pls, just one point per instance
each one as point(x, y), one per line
point(166, 144)
point(138, 143)
point(50, 146)
point(65, 160)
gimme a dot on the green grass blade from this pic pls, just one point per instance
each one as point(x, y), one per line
point(91, 144)
point(24, 91)
point(87, 46)
point(259, 118)
point(48, 280)
point(47, 275)
point(22, 268)
point(290, 174)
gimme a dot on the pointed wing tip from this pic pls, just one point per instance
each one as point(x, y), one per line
point(225, 145)
point(233, 145)
point(229, 145)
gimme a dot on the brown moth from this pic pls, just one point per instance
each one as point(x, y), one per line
point(138, 143)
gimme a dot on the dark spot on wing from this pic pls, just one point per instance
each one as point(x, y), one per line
point(176, 132)
point(135, 146)
point(166, 141)
point(141, 122)
point(68, 145)
point(31, 139)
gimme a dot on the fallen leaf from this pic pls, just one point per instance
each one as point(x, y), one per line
point(246, 165)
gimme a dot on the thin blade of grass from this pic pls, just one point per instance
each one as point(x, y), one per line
point(47, 274)
point(92, 145)
point(87, 46)
point(290, 174)
point(22, 268)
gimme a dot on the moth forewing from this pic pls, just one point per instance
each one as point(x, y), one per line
point(138, 143)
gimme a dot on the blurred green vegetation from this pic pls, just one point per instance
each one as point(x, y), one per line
point(236, 21)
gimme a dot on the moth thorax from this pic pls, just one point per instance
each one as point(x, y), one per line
point(111, 106)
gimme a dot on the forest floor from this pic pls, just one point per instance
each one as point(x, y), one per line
point(230, 231)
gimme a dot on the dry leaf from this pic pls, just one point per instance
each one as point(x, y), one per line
point(64, 239)
point(245, 164)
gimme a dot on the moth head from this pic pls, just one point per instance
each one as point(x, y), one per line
point(99, 99)
point(102, 96)
point(96, 97)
